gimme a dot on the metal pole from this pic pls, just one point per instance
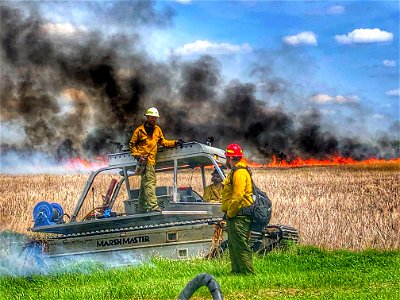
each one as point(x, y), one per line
point(175, 192)
point(128, 188)
point(203, 177)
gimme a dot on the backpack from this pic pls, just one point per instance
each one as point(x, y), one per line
point(261, 209)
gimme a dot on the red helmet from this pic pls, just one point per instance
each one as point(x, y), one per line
point(234, 150)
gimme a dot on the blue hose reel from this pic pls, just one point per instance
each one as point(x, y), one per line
point(45, 213)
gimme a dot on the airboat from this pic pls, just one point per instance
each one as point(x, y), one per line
point(184, 228)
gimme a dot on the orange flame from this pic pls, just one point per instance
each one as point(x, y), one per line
point(102, 161)
point(83, 164)
point(333, 161)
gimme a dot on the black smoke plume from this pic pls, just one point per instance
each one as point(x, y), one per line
point(83, 95)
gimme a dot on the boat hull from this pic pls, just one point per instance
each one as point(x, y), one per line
point(175, 241)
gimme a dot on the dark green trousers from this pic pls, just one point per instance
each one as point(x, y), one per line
point(239, 250)
point(147, 195)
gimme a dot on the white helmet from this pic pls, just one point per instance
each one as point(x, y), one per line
point(153, 112)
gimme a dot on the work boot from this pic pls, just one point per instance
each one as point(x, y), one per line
point(157, 209)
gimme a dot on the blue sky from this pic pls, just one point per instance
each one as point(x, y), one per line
point(341, 57)
point(338, 57)
point(366, 68)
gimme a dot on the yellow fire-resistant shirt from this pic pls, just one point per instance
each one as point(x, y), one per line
point(141, 144)
point(212, 193)
point(237, 191)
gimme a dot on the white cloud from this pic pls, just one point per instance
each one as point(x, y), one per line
point(306, 38)
point(329, 10)
point(201, 47)
point(362, 35)
point(184, 1)
point(328, 112)
point(65, 29)
point(389, 63)
point(339, 99)
point(393, 93)
point(321, 98)
point(378, 116)
point(336, 10)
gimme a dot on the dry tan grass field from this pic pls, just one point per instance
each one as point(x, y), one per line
point(351, 207)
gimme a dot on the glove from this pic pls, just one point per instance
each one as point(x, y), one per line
point(179, 143)
point(141, 159)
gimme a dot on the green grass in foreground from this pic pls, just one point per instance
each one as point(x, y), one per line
point(300, 273)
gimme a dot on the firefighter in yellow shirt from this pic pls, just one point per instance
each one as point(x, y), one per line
point(212, 192)
point(237, 194)
point(143, 147)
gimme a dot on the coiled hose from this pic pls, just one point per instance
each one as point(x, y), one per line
point(202, 280)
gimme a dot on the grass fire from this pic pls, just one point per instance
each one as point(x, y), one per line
point(272, 102)
point(352, 206)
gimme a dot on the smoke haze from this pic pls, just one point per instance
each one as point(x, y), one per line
point(82, 95)
point(21, 256)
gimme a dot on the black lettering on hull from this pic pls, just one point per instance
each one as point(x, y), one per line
point(124, 241)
